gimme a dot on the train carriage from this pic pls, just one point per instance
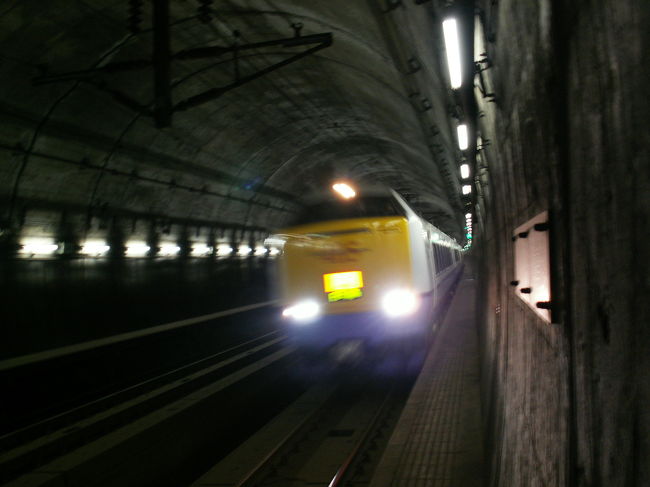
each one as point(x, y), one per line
point(360, 267)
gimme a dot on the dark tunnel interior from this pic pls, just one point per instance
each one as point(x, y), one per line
point(148, 149)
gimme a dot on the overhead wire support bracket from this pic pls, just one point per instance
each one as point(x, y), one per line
point(161, 61)
point(324, 40)
point(483, 64)
point(321, 40)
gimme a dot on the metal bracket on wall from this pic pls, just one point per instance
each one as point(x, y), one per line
point(481, 65)
point(161, 60)
point(484, 144)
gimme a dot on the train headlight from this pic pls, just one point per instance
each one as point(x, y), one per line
point(303, 311)
point(400, 302)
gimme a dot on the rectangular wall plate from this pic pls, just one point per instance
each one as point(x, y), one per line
point(532, 279)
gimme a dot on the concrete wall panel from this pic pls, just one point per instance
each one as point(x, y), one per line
point(569, 399)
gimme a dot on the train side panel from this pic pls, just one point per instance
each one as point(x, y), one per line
point(421, 265)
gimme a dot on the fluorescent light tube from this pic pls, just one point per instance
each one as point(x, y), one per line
point(452, 47)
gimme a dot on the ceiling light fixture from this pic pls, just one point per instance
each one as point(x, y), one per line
point(452, 47)
point(462, 136)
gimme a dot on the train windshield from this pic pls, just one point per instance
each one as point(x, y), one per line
point(360, 207)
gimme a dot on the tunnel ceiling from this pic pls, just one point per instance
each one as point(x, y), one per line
point(373, 106)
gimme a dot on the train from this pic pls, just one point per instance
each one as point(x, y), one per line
point(358, 267)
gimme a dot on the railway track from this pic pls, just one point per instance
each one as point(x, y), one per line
point(167, 430)
point(333, 435)
point(241, 416)
point(133, 410)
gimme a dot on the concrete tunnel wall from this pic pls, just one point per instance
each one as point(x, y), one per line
point(76, 165)
point(243, 158)
point(567, 403)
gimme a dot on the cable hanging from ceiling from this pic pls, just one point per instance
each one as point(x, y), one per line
point(163, 106)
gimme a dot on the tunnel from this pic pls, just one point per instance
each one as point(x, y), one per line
point(151, 151)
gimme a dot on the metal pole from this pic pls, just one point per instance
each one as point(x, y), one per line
point(161, 64)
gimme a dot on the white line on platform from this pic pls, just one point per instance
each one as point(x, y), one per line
point(100, 342)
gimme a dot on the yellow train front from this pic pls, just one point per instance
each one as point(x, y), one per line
point(358, 268)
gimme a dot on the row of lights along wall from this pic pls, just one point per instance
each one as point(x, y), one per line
point(452, 47)
point(53, 233)
point(44, 248)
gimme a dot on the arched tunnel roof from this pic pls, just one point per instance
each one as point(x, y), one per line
point(372, 106)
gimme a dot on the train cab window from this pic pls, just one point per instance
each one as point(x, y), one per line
point(360, 207)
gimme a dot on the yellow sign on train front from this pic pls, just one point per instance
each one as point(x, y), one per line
point(338, 281)
point(344, 295)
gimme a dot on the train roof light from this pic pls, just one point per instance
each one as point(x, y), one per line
point(462, 136)
point(467, 189)
point(453, 52)
point(345, 190)
point(464, 171)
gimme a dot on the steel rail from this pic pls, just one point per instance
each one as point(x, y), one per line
point(111, 448)
point(36, 357)
point(372, 427)
point(139, 400)
point(297, 433)
point(130, 389)
point(291, 436)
